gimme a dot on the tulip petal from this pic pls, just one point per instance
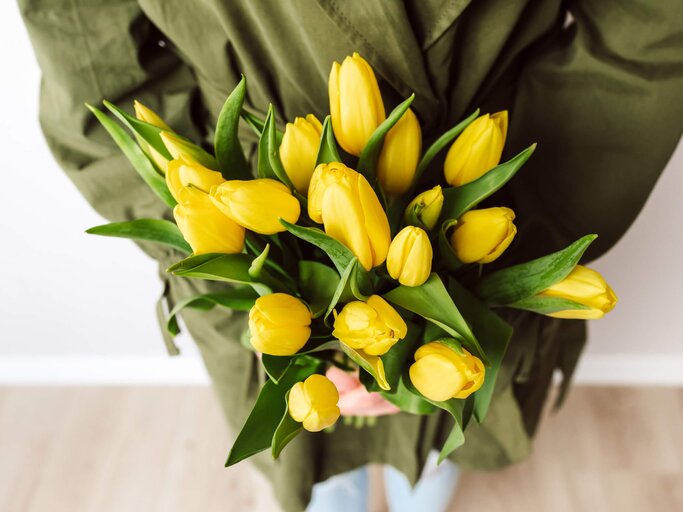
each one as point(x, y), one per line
point(299, 404)
point(321, 392)
point(436, 377)
point(375, 221)
point(344, 221)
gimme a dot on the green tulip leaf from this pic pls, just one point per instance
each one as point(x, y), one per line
point(265, 417)
point(257, 124)
point(455, 408)
point(136, 157)
point(441, 143)
point(432, 302)
point(458, 200)
point(276, 366)
point(150, 230)
point(253, 121)
point(547, 305)
point(231, 160)
point(359, 283)
point(454, 441)
point(518, 282)
point(269, 164)
point(448, 256)
point(494, 335)
point(316, 345)
point(230, 268)
point(318, 284)
point(145, 131)
point(287, 430)
point(257, 264)
point(340, 255)
point(239, 299)
point(328, 151)
point(370, 154)
point(343, 291)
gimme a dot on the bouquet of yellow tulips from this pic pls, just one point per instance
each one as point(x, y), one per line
point(346, 258)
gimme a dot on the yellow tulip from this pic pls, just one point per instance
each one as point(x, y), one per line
point(477, 150)
point(400, 155)
point(149, 116)
point(204, 227)
point(180, 147)
point(440, 373)
point(356, 105)
point(299, 150)
point(481, 236)
point(343, 201)
point(410, 256)
point(587, 287)
point(373, 326)
point(313, 402)
point(279, 324)
point(427, 207)
point(257, 204)
point(181, 173)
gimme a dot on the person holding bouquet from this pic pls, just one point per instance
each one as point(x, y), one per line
point(596, 84)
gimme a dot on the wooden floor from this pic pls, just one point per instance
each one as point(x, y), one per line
point(162, 449)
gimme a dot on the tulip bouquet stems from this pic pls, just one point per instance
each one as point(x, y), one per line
point(344, 258)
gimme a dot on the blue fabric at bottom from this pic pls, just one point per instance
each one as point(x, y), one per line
point(349, 492)
point(433, 492)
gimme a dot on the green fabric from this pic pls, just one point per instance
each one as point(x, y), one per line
point(601, 95)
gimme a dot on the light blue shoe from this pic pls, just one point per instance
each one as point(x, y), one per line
point(432, 493)
point(347, 492)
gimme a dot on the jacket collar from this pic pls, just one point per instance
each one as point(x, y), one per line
point(380, 30)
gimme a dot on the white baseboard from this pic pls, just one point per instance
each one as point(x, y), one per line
point(594, 369)
point(631, 370)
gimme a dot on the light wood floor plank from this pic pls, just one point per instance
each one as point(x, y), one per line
point(162, 449)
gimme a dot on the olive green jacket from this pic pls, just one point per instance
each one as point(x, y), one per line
point(600, 90)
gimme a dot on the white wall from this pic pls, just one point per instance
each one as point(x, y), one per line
point(62, 292)
point(75, 307)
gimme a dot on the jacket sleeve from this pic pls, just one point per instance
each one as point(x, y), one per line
point(90, 50)
point(604, 100)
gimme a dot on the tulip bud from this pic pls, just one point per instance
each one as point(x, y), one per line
point(181, 147)
point(313, 402)
point(400, 155)
point(477, 150)
point(279, 324)
point(426, 207)
point(149, 116)
point(440, 373)
point(587, 287)
point(204, 227)
point(410, 257)
point(257, 204)
point(299, 150)
point(181, 173)
point(343, 200)
point(373, 326)
point(356, 104)
point(481, 236)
